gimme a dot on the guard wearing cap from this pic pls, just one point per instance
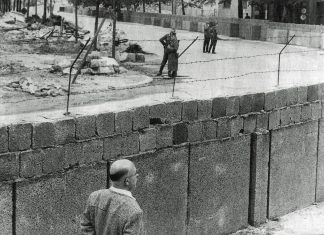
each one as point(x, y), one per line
point(165, 41)
point(213, 39)
point(206, 38)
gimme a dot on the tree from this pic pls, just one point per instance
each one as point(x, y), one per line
point(44, 13)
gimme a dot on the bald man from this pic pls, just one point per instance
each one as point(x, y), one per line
point(114, 211)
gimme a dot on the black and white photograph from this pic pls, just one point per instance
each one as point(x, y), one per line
point(162, 117)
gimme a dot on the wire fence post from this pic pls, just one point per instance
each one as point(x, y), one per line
point(278, 80)
point(69, 88)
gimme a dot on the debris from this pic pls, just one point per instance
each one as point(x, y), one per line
point(56, 69)
point(27, 84)
point(135, 48)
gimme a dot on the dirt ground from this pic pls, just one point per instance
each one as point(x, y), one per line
point(29, 63)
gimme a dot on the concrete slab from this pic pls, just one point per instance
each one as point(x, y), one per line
point(164, 204)
point(53, 205)
point(292, 168)
point(320, 164)
point(6, 209)
point(260, 143)
point(219, 176)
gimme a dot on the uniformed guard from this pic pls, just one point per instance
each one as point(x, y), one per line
point(206, 38)
point(172, 51)
point(213, 39)
point(165, 41)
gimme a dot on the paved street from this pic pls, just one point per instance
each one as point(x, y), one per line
point(240, 66)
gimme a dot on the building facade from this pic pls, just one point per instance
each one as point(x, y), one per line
point(287, 11)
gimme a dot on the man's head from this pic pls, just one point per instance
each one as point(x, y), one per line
point(123, 174)
point(173, 31)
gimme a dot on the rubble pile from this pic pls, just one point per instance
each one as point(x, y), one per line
point(95, 64)
point(30, 86)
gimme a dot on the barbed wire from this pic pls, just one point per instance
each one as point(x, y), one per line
point(136, 65)
point(164, 82)
point(38, 40)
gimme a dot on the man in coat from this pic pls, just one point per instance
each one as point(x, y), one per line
point(114, 211)
point(206, 38)
point(165, 41)
point(213, 39)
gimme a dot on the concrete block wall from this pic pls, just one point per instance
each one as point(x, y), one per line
point(252, 29)
point(306, 35)
point(264, 151)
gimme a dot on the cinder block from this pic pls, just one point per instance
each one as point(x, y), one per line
point(282, 98)
point(168, 200)
point(64, 131)
point(85, 127)
point(295, 113)
point(141, 118)
point(312, 93)
point(257, 102)
point(157, 21)
point(292, 96)
point(72, 154)
point(4, 139)
point(306, 112)
point(292, 168)
point(270, 101)
point(321, 91)
point(9, 166)
point(6, 208)
point(158, 111)
point(164, 136)
point(54, 205)
point(285, 117)
point(20, 136)
point(189, 111)
point(180, 133)
point(92, 151)
point(233, 106)
point(274, 119)
point(316, 110)
point(209, 129)
point(250, 123)
point(130, 144)
point(260, 143)
point(186, 25)
point(124, 122)
point(173, 112)
point(53, 160)
point(204, 109)
point(223, 128)
point(222, 176)
point(105, 124)
point(166, 23)
point(112, 147)
point(262, 121)
point(43, 135)
point(31, 163)
point(219, 107)
point(246, 104)
point(236, 126)
point(194, 26)
point(147, 139)
point(320, 164)
point(302, 94)
point(194, 131)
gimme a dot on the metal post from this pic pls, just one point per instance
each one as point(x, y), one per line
point(88, 51)
point(174, 79)
point(280, 58)
point(69, 89)
point(114, 29)
point(76, 20)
